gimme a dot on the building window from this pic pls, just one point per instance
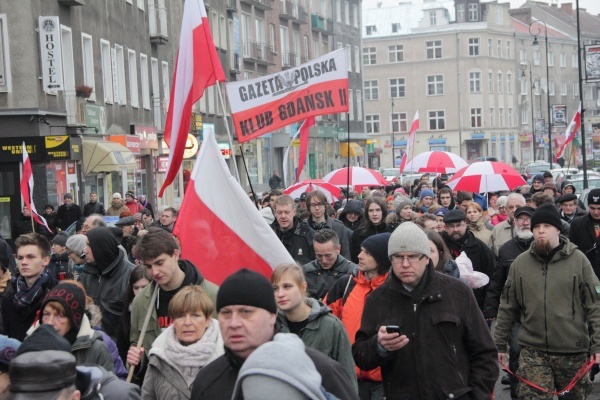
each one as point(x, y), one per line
point(348, 56)
point(522, 55)
point(371, 90)
point(460, 13)
point(437, 120)
point(501, 117)
point(369, 55)
point(474, 82)
point(509, 82)
point(490, 48)
point(500, 82)
point(551, 88)
point(499, 48)
point(107, 71)
point(536, 57)
point(476, 118)
point(4, 55)
point(563, 60)
point(399, 122)
point(432, 18)
point(356, 60)
point(145, 81)
point(491, 82)
point(133, 79)
point(395, 27)
point(563, 88)
point(508, 49)
point(88, 63)
point(575, 88)
point(121, 90)
point(359, 105)
point(397, 88)
point(355, 15)
point(166, 79)
point(473, 46)
point(551, 59)
point(434, 49)
point(524, 117)
point(524, 84)
point(350, 105)
point(371, 29)
point(396, 53)
point(347, 12)
point(435, 85)
point(574, 60)
point(492, 118)
point(473, 12)
point(510, 117)
point(372, 122)
point(338, 10)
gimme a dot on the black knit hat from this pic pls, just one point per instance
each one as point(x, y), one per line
point(45, 337)
point(247, 288)
point(377, 246)
point(546, 214)
point(72, 298)
point(594, 197)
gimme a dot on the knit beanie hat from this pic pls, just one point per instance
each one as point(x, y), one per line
point(546, 214)
point(426, 193)
point(76, 243)
point(72, 298)
point(377, 246)
point(104, 246)
point(296, 370)
point(400, 202)
point(409, 237)
point(538, 177)
point(130, 194)
point(8, 351)
point(45, 337)
point(549, 185)
point(60, 239)
point(247, 288)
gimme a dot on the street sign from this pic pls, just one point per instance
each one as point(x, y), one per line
point(592, 120)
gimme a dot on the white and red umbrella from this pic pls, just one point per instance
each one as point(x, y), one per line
point(441, 162)
point(310, 185)
point(355, 176)
point(486, 176)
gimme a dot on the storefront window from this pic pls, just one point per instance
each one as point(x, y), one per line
point(266, 159)
point(6, 189)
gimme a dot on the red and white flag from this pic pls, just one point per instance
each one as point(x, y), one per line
point(197, 68)
point(410, 144)
point(304, 133)
point(570, 133)
point(27, 190)
point(219, 228)
point(262, 105)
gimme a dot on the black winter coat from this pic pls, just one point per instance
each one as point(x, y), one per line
point(450, 355)
point(93, 208)
point(481, 257)
point(360, 235)
point(320, 280)
point(583, 235)
point(506, 255)
point(339, 229)
point(217, 379)
point(65, 216)
point(298, 241)
point(354, 206)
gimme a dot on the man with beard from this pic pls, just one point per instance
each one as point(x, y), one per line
point(553, 292)
point(459, 238)
point(507, 254)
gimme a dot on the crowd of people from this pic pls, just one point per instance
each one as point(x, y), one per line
point(382, 302)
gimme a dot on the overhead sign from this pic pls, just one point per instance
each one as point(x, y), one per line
point(147, 134)
point(191, 146)
point(559, 115)
point(95, 117)
point(50, 53)
point(592, 63)
point(225, 150)
point(57, 147)
point(264, 104)
point(132, 142)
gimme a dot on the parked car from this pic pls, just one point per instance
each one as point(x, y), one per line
point(390, 174)
point(485, 158)
point(537, 167)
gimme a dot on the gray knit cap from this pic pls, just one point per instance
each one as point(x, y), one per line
point(401, 201)
point(409, 237)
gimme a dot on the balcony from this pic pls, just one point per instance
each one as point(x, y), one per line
point(260, 53)
point(71, 3)
point(260, 4)
point(234, 61)
point(157, 23)
point(231, 5)
point(321, 24)
point(290, 10)
point(289, 60)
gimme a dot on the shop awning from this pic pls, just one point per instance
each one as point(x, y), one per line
point(106, 157)
point(355, 149)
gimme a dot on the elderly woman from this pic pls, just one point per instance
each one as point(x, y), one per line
point(502, 213)
point(190, 343)
point(477, 223)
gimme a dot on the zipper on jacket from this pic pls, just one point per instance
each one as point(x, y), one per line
point(457, 366)
point(522, 294)
point(545, 272)
point(506, 292)
point(590, 292)
point(573, 300)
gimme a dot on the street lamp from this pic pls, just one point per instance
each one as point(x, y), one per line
point(393, 139)
point(523, 67)
point(536, 46)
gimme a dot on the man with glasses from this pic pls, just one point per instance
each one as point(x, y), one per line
point(568, 208)
point(508, 252)
point(585, 231)
point(459, 238)
point(329, 265)
point(424, 329)
point(317, 203)
point(505, 230)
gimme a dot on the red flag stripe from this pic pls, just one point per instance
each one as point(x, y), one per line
point(27, 189)
point(304, 133)
point(572, 129)
point(411, 141)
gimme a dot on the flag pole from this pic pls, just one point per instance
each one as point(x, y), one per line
point(32, 223)
point(248, 175)
point(348, 150)
point(235, 167)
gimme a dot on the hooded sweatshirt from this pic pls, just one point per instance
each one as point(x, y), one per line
point(354, 206)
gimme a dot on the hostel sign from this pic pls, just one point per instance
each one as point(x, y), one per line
point(50, 53)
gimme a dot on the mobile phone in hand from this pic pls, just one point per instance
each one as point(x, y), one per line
point(393, 329)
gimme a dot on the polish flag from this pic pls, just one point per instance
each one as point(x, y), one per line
point(410, 144)
point(197, 68)
point(27, 190)
point(570, 133)
point(219, 228)
point(304, 131)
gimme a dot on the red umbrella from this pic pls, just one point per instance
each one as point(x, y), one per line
point(441, 162)
point(357, 176)
point(486, 176)
point(332, 192)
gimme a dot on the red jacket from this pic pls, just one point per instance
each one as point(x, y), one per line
point(348, 308)
point(134, 207)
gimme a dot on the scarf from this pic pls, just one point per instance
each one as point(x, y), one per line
point(478, 225)
point(4, 281)
point(25, 296)
point(189, 359)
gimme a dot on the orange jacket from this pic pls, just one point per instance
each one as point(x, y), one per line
point(348, 304)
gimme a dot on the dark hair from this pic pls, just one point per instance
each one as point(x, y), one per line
point(49, 206)
point(137, 273)
point(330, 211)
point(445, 190)
point(276, 192)
point(425, 216)
point(366, 222)
point(156, 242)
point(462, 196)
point(317, 194)
point(540, 198)
point(172, 210)
point(146, 212)
point(35, 239)
point(442, 249)
point(323, 236)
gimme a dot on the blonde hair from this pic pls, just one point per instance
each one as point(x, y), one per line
point(295, 271)
point(189, 299)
